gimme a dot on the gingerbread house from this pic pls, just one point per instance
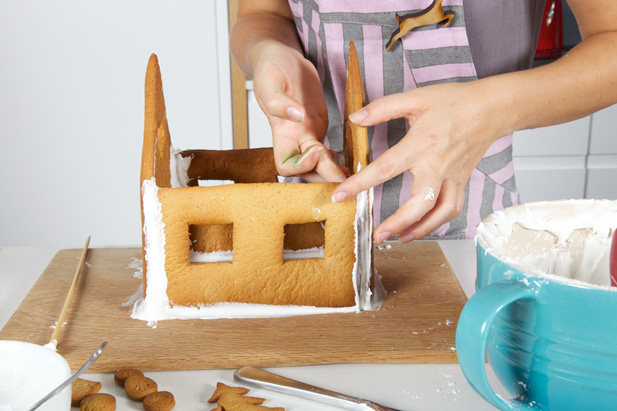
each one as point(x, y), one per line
point(252, 230)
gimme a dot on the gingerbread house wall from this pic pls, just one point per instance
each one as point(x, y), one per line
point(258, 214)
point(253, 217)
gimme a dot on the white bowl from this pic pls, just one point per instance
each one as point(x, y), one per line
point(28, 372)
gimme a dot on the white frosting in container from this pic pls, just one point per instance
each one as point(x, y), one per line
point(155, 306)
point(566, 240)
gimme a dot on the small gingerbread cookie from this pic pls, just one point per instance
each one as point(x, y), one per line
point(159, 401)
point(233, 398)
point(137, 387)
point(121, 375)
point(98, 402)
point(81, 388)
point(222, 389)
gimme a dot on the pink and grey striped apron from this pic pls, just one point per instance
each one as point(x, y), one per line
point(427, 55)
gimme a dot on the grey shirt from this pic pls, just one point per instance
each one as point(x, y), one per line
point(502, 34)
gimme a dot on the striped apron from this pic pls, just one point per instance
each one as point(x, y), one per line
point(427, 55)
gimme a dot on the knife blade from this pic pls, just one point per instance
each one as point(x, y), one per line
point(274, 382)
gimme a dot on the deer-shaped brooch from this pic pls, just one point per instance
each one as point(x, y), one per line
point(433, 14)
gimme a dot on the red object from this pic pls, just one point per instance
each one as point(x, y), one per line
point(550, 42)
point(613, 260)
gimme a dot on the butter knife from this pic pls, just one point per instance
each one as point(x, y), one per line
point(264, 379)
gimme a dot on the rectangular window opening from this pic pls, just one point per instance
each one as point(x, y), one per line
point(304, 241)
point(211, 243)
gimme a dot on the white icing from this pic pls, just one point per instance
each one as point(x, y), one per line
point(234, 310)
point(315, 252)
point(179, 167)
point(155, 306)
point(214, 183)
point(28, 372)
point(430, 194)
point(52, 345)
point(227, 256)
point(213, 257)
point(568, 240)
point(363, 225)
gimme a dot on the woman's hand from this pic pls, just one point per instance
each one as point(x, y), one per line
point(288, 90)
point(448, 136)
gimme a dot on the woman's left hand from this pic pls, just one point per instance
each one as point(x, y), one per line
point(451, 128)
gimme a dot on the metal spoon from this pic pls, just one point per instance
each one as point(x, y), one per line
point(71, 378)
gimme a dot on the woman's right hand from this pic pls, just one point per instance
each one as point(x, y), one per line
point(288, 90)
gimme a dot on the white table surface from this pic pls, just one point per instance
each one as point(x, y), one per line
point(404, 386)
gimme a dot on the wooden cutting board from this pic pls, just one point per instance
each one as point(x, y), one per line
point(416, 323)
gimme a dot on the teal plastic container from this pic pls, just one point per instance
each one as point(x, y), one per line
point(551, 342)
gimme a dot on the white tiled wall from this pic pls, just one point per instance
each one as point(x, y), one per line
point(571, 160)
point(549, 162)
point(602, 159)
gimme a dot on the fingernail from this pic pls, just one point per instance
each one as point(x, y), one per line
point(359, 115)
point(339, 197)
point(317, 153)
point(383, 236)
point(295, 114)
point(406, 238)
point(308, 153)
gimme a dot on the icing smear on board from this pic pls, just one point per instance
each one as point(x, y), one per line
point(568, 240)
point(155, 306)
